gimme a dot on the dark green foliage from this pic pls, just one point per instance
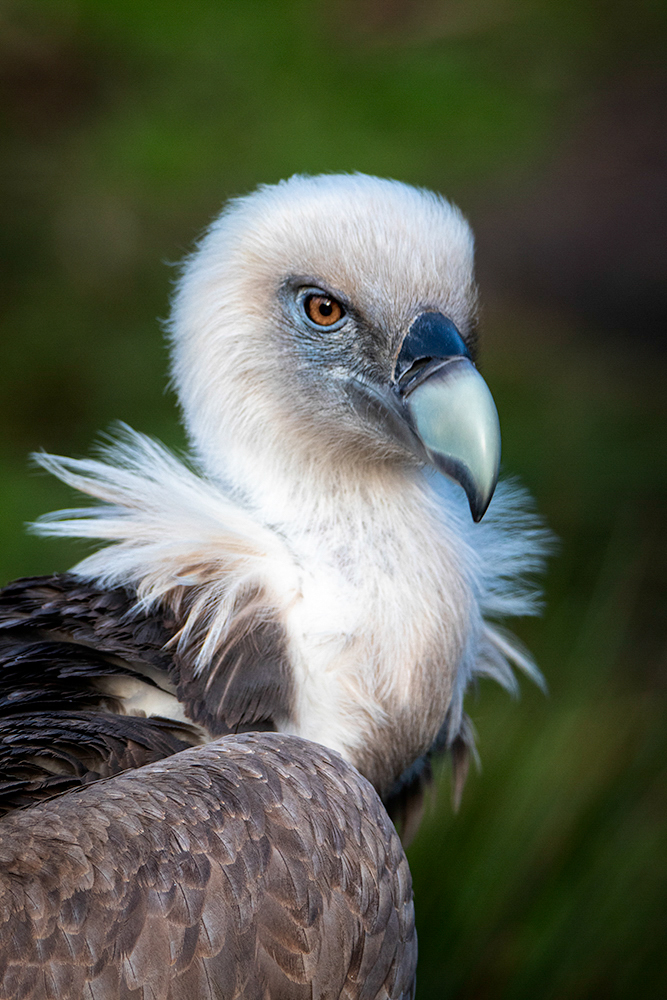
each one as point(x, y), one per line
point(126, 124)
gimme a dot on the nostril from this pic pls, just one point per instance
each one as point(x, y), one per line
point(411, 372)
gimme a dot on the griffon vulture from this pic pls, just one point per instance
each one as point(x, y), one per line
point(314, 572)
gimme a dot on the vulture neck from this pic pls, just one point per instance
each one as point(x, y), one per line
point(374, 598)
point(298, 494)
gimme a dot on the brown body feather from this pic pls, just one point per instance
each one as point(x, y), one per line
point(259, 866)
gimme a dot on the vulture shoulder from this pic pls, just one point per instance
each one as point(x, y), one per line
point(75, 670)
point(90, 686)
point(258, 866)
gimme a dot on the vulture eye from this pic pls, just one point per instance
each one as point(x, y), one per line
point(322, 310)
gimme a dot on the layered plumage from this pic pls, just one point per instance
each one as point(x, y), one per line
point(203, 876)
point(303, 570)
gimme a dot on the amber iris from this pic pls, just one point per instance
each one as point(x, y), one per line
point(323, 310)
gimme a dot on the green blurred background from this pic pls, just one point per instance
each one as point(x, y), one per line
point(126, 123)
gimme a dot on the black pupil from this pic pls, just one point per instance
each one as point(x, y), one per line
point(326, 307)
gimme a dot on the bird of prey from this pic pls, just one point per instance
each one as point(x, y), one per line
point(316, 571)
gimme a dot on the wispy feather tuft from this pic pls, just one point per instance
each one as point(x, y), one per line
point(175, 537)
point(506, 553)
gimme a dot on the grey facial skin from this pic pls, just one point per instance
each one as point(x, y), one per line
point(434, 402)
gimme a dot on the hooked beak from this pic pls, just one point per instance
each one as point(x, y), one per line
point(450, 407)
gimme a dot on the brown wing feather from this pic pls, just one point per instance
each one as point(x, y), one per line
point(69, 633)
point(89, 615)
point(259, 866)
point(43, 754)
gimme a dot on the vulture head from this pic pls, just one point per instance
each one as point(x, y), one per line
point(324, 335)
point(322, 555)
